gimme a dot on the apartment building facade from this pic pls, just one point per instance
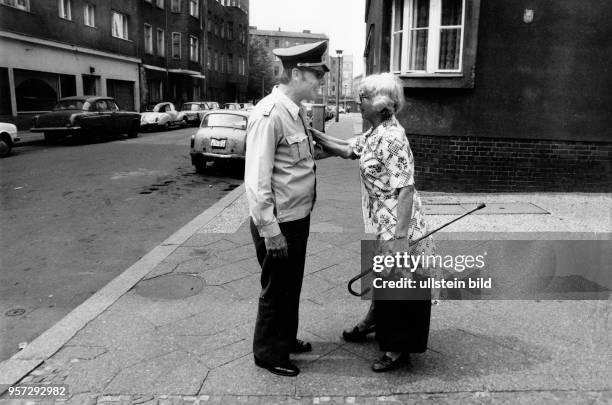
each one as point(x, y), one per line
point(226, 41)
point(345, 85)
point(501, 96)
point(62, 48)
point(137, 51)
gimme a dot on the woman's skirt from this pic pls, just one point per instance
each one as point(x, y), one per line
point(403, 325)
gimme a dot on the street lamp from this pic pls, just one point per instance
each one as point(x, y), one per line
point(338, 84)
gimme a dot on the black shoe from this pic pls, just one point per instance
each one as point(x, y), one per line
point(386, 363)
point(301, 347)
point(356, 335)
point(286, 370)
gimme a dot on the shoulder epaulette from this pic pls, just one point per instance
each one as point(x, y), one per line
point(267, 108)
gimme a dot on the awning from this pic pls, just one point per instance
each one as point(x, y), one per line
point(199, 76)
point(184, 72)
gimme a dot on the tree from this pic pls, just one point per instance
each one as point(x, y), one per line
point(260, 70)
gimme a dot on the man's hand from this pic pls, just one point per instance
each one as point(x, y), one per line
point(277, 246)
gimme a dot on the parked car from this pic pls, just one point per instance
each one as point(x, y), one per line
point(194, 111)
point(213, 105)
point(246, 106)
point(8, 138)
point(161, 116)
point(222, 136)
point(232, 106)
point(86, 116)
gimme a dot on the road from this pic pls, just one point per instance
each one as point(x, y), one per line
point(74, 216)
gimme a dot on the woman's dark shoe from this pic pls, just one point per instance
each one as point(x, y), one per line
point(301, 347)
point(386, 363)
point(357, 335)
point(286, 369)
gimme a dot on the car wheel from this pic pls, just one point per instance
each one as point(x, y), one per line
point(166, 126)
point(133, 132)
point(200, 165)
point(5, 146)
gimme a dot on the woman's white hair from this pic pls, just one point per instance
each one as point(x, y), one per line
point(385, 91)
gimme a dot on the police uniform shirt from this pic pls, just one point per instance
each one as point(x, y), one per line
point(279, 168)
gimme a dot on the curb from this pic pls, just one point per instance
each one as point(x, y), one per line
point(54, 338)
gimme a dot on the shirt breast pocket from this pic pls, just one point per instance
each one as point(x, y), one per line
point(298, 145)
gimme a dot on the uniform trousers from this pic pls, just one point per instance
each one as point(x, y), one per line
point(281, 283)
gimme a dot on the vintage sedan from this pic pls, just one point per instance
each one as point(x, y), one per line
point(194, 111)
point(90, 116)
point(8, 138)
point(161, 116)
point(232, 106)
point(221, 137)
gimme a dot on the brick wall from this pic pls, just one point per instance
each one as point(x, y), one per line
point(473, 164)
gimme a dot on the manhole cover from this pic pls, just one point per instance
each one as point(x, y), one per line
point(15, 312)
point(170, 287)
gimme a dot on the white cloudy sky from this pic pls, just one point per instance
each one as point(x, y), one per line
point(342, 21)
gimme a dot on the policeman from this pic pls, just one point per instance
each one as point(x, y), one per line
point(280, 188)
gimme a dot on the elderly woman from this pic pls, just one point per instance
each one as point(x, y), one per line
point(392, 209)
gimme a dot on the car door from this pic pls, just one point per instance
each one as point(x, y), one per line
point(98, 117)
point(171, 111)
point(106, 122)
point(120, 119)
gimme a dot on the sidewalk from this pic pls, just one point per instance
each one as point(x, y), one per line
point(183, 333)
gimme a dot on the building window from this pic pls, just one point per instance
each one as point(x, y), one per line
point(230, 31)
point(176, 45)
point(209, 59)
point(276, 43)
point(194, 8)
point(148, 1)
point(20, 4)
point(209, 23)
point(216, 28)
point(65, 9)
point(148, 38)
point(120, 25)
point(267, 42)
point(230, 63)
point(194, 49)
point(161, 42)
point(159, 3)
point(175, 6)
point(427, 36)
point(90, 14)
point(222, 29)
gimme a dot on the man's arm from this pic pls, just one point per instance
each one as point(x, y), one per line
point(259, 164)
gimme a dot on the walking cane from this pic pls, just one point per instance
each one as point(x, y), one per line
point(368, 271)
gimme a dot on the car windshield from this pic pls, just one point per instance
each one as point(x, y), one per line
point(68, 105)
point(225, 120)
point(149, 107)
point(190, 107)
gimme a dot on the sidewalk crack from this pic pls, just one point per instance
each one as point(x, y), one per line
point(199, 392)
